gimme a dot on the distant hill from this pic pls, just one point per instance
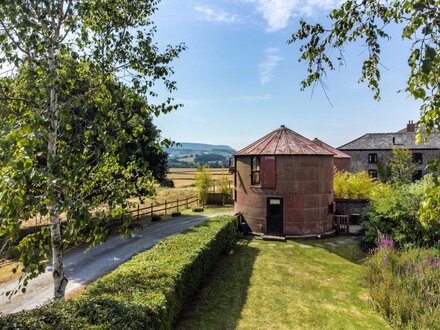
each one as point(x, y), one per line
point(188, 154)
point(199, 147)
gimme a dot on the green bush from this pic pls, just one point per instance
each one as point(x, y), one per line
point(405, 287)
point(147, 292)
point(56, 315)
point(355, 185)
point(168, 183)
point(394, 212)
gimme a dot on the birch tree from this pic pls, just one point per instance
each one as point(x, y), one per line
point(62, 58)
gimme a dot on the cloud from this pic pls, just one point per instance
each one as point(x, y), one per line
point(217, 16)
point(278, 13)
point(269, 64)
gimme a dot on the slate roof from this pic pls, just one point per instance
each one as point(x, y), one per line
point(384, 141)
point(283, 141)
point(337, 153)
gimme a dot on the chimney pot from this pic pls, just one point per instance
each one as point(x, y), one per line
point(410, 127)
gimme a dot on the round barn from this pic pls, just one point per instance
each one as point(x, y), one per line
point(283, 185)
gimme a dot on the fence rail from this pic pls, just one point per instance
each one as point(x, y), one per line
point(165, 207)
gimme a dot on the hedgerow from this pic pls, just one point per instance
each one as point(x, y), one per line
point(147, 292)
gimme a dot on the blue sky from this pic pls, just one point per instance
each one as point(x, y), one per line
point(239, 80)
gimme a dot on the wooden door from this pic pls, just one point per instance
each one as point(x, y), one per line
point(274, 225)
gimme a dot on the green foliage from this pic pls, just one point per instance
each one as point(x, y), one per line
point(55, 315)
point(401, 165)
point(395, 212)
point(204, 181)
point(73, 136)
point(147, 292)
point(224, 185)
point(168, 183)
point(355, 185)
point(404, 286)
point(383, 171)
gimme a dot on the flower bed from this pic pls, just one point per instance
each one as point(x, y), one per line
point(405, 285)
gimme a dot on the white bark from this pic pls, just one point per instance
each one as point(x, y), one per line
point(59, 278)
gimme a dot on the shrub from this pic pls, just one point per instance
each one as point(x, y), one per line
point(404, 286)
point(204, 181)
point(401, 165)
point(147, 292)
point(168, 183)
point(394, 212)
point(55, 315)
point(355, 185)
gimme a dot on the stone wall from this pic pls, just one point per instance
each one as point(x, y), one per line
point(359, 158)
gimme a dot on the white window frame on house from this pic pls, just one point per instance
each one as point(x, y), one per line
point(417, 175)
point(255, 171)
point(417, 157)
point(372, 158)
point(372, 174)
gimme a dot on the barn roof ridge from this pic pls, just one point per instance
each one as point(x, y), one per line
point(338, 153)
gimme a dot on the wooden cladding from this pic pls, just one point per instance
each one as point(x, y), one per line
point(267, 170)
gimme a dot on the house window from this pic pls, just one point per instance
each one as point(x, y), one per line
point(255, 171)
point(417, 175)
point(372, 158)
point(372, 173)
point(417, 157)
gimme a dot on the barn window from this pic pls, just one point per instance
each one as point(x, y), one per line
point(372, 158)
point(255, 171)
point(417, 157)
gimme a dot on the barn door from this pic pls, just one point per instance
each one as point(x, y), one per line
point(274, 224)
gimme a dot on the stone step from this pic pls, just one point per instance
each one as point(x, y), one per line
point(274, 238)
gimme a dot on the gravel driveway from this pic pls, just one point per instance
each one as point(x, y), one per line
point(82, 266)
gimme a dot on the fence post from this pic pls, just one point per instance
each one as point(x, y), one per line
point(151, 210)
point(138, 211)
point(187, 202)
point(177, 205)
point(165, 206)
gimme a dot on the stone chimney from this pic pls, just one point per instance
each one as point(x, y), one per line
point(410, 127)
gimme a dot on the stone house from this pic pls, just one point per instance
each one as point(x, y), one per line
point(372, 150)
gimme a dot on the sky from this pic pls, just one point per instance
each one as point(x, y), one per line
point(239, 79)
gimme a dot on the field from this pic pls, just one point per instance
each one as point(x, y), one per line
point(313, 284)
point(184, 177)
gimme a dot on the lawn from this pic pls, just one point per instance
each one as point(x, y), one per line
point(286, 285)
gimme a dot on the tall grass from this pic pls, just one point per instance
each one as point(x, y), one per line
point(405, 285)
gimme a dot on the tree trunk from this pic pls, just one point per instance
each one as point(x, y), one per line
point(59, 279)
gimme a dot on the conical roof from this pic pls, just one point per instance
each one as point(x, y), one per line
point(283, 141)
point(338, 153)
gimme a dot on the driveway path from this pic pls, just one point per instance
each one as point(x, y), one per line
point(82, 266)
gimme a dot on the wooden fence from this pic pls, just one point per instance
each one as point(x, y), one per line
point(168, 206)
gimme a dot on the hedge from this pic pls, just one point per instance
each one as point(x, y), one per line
point(147, 292)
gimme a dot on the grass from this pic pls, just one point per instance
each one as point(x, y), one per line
point(184, 177)
point(6, 273)
point(286, 285)
point(210, 209)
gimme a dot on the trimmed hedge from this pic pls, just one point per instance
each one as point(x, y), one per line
point(147, 292)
